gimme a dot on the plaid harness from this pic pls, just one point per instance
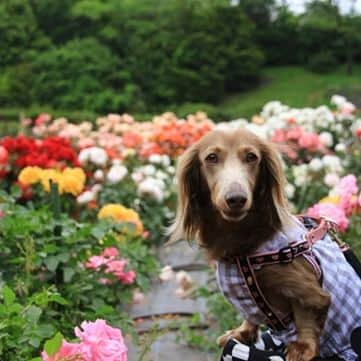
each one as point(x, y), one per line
point(239, 285)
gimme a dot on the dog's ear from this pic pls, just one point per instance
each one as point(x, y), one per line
point(189, 188)
point(271, 186)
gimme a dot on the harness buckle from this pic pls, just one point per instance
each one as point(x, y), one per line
point(286, 255)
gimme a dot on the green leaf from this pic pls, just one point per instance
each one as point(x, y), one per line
point(45, 330)
point(51, 263)
point(99, 230)
point(63, 257)
point(68, 274)
point(36, 359)
point(9, 296)
point(35, 342)
point(53, 345)
point(59, 299)
point(33, 314)
point(15, 191)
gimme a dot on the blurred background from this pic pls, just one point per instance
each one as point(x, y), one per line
point(82, 58)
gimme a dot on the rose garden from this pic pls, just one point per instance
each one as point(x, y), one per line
point(83, 212)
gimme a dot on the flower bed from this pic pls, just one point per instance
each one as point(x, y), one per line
point(82, 206)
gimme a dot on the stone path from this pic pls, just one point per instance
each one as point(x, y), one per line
point(163, 309)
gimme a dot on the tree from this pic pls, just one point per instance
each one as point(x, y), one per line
point(19, 33)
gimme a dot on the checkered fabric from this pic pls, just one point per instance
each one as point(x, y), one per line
point(339, 280)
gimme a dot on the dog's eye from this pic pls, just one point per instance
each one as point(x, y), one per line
point(212, 158)
point(251, 157)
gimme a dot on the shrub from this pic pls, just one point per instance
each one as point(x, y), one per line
point(322, 62)
point(82, 74)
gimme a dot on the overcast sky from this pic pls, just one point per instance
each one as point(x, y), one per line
point(345, 5)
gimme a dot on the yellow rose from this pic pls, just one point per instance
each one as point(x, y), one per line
point(72, 180)
point(121, 214)
point(53, 175)
point(331, 199)
point(30, 175)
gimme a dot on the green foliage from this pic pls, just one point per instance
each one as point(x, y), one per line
point(25, 325)
point(322, 62)
point(221, 315)
point(143, 56)
point(43, 261)
point(19, 32)
point(81, 74)
point(118, 56)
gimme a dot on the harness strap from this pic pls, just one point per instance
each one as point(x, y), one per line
point(283, 256)
point(274, 321)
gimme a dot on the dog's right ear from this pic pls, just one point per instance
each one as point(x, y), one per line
point(189, 188)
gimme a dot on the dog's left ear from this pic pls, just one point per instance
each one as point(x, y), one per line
point(271, 185)
point(190, 187)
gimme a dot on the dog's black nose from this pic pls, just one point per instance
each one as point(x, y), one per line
point(235, 199)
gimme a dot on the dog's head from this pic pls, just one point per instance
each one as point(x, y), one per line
point(236, 174)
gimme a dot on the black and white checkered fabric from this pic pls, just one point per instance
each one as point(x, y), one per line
point(236, 351)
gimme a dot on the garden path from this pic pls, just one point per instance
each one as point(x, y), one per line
point(161, 310)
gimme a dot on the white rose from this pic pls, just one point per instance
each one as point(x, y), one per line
point(161, 175)
point(331, 179)
point(137, 176)
point(340, 147)
point(326, 138)
point(338, 100)
point(116, 174)
point(316, 165)
point(290, 190)
point(99, 175)
point(153, 188)
point(332, 163)
point(85, 197)
point(84, 155)
point(165, 160)
point(155, 158)
point(300, 173)
point(96, 188)
point(98, 156)
point(149, 169)
point(171, 170)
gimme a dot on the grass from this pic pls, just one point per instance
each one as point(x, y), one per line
point(293, 86)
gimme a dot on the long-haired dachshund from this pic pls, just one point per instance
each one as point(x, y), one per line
point(231, 199)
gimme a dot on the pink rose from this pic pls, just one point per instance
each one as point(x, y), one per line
point(279, 136)
point(309, 141)
point(95, 262)
point(109, 350)
point(101, 342)
point(67, 350)
point(294, 133)
point(347, 186)
point(110, 252)
point(116, 267)
point(96, 331)
point(330, 211)
point(127, 277)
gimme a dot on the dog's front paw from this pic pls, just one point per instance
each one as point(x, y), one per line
point(301, 351)
point(246, 333)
